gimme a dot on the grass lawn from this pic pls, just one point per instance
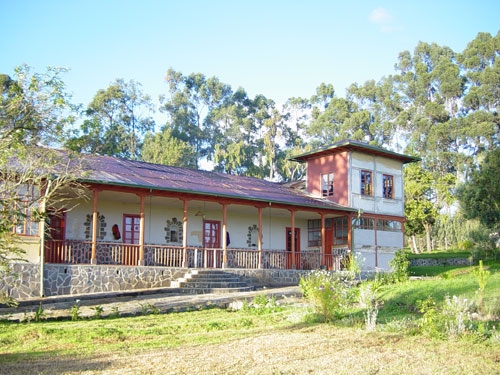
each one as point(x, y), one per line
point(281, 338)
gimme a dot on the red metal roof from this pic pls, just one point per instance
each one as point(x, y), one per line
point(120, 172)
point(350, 145)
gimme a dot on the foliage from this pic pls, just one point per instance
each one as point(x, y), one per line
point(399, 264)
point(148, 308)
point(420, 211)
point(98, 310)
point(450, 320)
point(117, 119)
point(369, 300)
point(480, 196)
point(353, 263)
point(164, 148)
point(75, 310)
point(262, 304)
point(482, 277)
point(330, 293)
point(35, 111)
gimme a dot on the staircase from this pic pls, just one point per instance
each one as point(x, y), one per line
point(210, 281)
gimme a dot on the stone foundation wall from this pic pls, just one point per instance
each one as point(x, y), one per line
point(268, 278)
point(440, 262)
point(64, 279)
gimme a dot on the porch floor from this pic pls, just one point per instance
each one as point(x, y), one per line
point(133, 302)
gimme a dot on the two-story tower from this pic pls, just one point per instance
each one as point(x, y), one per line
point(367, 178)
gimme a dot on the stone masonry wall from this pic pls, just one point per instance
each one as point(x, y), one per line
point(440, 262)
point(65, 279)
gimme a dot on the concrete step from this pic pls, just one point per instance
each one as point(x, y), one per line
point(208, 284)
point(210, 281)
point(216, 290)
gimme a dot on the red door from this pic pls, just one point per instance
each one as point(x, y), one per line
point(211, 243)
point(56, 233)
point(328, 247)
point(131, 229)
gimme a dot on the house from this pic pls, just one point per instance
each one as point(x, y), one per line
point(158, 217)
point(368, 179)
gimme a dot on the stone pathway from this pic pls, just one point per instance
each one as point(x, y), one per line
point(136, 303)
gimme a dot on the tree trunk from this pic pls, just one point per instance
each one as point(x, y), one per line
point(428, 237)
point(413, 244)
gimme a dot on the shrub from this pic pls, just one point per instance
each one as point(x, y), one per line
point(368, 299)
point(329, 293)
point(399, 265)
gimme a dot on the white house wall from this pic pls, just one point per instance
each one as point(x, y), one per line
point(273, 231)
point(376, 203)
point(386, 242)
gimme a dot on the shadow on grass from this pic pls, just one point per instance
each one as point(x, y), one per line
point(50, 363)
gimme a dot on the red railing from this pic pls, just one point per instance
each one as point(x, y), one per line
point(80, 252)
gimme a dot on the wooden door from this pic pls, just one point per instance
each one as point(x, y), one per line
point(131, 229)
point(211, 243)
point(289, 260)
point(54, 241)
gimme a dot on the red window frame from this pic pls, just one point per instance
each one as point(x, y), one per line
point(327, 184)
point(131, 228)
point(366, 182)
point(388, 186)
point(211, 234)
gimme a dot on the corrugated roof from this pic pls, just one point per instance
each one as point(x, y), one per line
point(120, 172)
point(351, 145)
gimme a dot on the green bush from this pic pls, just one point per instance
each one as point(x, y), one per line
point(330, 293)
point(400, 264)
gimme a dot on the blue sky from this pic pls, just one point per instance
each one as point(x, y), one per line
point(280, 49)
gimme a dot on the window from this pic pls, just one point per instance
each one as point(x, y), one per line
point(340, 232)
point(363, 223)
point(131, 228)
point(26, 222)
point(389, 225)
point(388, 182)
point(314, 231)
point(327, 184)
point(366, 183)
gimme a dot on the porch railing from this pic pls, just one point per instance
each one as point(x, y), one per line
point(80, 252)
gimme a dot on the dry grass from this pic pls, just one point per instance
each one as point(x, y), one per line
point(316, 349)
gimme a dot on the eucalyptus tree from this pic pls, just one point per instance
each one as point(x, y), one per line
point(117, 119)
point(335, 118)
point(378, 107)
point(430, 86)
point(237, 127)
point(420, 211)
point(163, 148)
point(189, 101)
point(481, 104)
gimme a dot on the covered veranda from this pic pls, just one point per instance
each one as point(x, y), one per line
point(206, 214)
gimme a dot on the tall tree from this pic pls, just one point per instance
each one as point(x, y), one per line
point(35, 111)
point(190, 100)
point(164, 148)
point(479, 196)
point(420, 211)
point(117, 119)
point(481, 104)
point(430, 86)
